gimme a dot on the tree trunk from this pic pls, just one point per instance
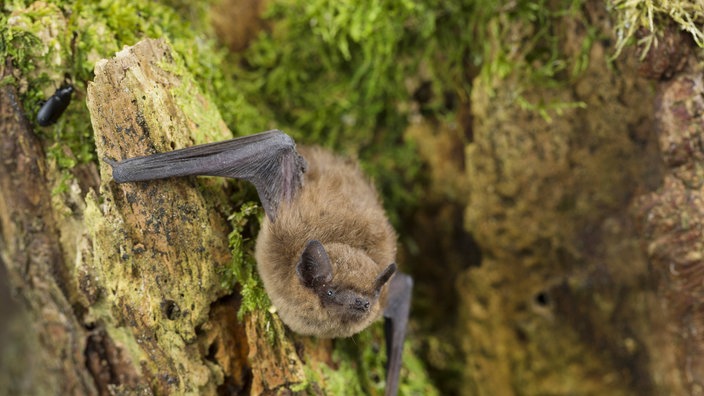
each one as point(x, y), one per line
point(55, 336)
point(159, 249)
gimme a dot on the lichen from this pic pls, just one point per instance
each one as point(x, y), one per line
point(649, 16)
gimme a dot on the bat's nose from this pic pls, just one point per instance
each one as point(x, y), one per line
point(361, 304)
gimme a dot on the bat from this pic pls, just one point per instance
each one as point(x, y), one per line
point(52, 109)
point(326, 250)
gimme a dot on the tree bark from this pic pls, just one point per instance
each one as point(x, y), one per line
point(159, 249)
point(35, 260)
point(672, 219)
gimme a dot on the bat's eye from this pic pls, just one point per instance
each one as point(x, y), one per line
point(330, 292)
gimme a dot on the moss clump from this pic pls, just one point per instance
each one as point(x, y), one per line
point(536, 187)
point(343, 73)
point(648, 16)
point(334, 68)
point(243, 270)
point(523, 39)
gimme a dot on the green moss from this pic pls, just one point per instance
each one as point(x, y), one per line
point(344, 73)
point(523, 40)
point(648, 17)
point(334, 73)
point(361, 367)
point(337, 73)
point(343, 381)
point(244, 269)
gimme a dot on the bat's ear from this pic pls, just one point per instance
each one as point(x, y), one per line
point(384, 277)
point(314, 268)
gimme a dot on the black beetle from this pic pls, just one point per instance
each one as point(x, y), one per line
point(52, 109)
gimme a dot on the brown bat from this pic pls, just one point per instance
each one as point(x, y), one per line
point(326, 250)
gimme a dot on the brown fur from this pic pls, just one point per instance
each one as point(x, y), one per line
point(341, 209)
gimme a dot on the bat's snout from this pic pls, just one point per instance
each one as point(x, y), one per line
point(361, 304)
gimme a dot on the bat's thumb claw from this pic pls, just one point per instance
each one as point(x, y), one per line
point(110, 161)
point(117, 171)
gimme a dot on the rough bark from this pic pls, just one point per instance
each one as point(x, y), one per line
point(672, 217)
point(159, 248)
point(35, 261)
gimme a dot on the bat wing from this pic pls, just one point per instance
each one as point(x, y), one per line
point(268, 160)
point(396, 320)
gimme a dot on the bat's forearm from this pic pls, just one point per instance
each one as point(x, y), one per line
point(238, 158)
point(268, 160)
point(149, 168)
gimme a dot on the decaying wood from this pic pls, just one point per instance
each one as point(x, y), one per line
point(159, 248)
point(32, 252)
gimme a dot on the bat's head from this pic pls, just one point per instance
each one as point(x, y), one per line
point(347, 282)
